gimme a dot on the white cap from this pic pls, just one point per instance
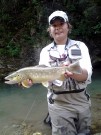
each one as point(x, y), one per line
point(59, 14)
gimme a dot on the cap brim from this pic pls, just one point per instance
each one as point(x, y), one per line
point(57, 18)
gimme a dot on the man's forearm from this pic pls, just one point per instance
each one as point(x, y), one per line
point(80, 77)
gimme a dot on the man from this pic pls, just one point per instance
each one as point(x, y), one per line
point(68, 101)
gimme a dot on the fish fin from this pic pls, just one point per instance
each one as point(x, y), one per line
point(75, 68)
point(25, 84)
point(45, 84)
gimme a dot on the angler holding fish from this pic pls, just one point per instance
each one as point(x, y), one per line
point(69, 104)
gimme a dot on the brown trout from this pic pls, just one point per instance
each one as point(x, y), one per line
point(41, 74)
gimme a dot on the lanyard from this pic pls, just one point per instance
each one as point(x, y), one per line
point(55, 55)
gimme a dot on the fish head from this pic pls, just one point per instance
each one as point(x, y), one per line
point(14, 78)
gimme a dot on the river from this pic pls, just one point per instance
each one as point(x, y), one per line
point(22, 111)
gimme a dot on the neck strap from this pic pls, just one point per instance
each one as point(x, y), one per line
point(65, 44)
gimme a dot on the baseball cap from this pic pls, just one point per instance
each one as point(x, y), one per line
point(58, 14)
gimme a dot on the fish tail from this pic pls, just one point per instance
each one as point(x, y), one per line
point(75, 68)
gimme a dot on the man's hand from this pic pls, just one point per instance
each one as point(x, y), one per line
point(68, 74)
point(26, 83)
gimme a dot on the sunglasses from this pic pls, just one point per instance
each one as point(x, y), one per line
point(55, 56)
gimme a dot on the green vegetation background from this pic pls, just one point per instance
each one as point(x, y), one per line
point(23, 23)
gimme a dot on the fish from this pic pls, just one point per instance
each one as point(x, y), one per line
point(37, 133)
point(41, 74)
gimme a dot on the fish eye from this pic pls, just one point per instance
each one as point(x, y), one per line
point(18, 76)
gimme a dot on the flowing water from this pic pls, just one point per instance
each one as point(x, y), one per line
point(22, 111)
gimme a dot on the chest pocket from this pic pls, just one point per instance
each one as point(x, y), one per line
point(74, 53)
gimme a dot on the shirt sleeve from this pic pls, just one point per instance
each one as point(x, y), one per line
point(85, 62)
point(44, 57)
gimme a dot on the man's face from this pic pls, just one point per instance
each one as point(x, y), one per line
point(59, 29)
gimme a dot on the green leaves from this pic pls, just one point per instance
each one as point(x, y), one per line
point(25, 22)
point(13, 49)
point(97, 28)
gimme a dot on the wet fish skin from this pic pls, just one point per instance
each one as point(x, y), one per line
point(37, 133)
point(41, 74)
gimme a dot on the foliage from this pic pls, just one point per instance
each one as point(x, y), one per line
point(13, 49)
point(97, 28)
point(25, 21)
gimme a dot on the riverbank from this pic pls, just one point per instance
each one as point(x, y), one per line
point(96, 113)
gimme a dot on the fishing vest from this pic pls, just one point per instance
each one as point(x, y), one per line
point(72, 53)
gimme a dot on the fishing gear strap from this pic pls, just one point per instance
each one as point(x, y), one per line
point(47, 120)
point(51, 100)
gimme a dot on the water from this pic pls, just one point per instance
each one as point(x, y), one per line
point(18, 105)
point(23, 110)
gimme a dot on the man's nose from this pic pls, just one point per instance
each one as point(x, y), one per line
point(57, 27)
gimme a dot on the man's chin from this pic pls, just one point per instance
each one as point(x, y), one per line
point(59, 37)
